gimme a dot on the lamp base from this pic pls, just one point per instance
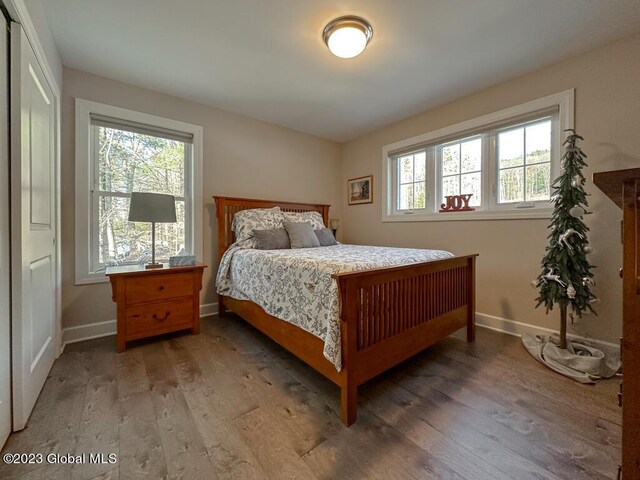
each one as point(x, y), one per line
point(153, 265)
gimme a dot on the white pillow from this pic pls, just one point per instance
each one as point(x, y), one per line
point(246, 221)
point(314, 218)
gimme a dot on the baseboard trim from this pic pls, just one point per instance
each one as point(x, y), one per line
point(90, 331)
point(208, 309)
point(517, 329)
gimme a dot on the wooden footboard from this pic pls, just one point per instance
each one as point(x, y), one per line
point(390, 314)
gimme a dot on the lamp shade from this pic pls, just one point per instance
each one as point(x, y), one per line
point(152, 207)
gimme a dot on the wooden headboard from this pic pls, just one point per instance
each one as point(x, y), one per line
point(227, 207)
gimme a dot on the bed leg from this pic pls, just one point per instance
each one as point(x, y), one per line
point(471, 328)
point(349, 403)
point(222, 310)
point(471, 305)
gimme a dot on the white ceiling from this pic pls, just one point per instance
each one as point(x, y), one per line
point(266, 59)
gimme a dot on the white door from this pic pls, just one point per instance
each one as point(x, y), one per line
point(5, 314)
point(33, 251)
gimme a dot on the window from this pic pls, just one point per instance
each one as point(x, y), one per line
point(412, 181)
point(460, 165)
point(119, 152)
point(506, 161)
point(524, 162)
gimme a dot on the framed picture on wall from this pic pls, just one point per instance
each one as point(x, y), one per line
point(360, 190)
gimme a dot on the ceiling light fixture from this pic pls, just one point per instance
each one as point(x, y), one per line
point(347, 36)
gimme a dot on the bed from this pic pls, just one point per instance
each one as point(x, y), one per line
point(385, 315)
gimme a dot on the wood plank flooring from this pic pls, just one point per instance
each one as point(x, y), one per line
point(231, 404)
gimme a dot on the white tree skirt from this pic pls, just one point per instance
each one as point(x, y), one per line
point(583, 363)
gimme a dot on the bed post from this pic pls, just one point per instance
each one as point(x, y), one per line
point(222, 310)
point(221, 217)
point(348, 400)
point(349, 385)
point(325, 215)
point(471, 314)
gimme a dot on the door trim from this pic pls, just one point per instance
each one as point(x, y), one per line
point(6, 396)
point(20, 14)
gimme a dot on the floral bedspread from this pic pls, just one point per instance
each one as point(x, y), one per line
point(295, 285)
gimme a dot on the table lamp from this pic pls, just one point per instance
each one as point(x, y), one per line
point(333, 223)
point(154, 208)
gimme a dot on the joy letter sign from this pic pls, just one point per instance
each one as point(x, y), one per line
point(456, 203)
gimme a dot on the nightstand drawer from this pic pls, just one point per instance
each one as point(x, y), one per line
point(158, 316)
point(158, 287)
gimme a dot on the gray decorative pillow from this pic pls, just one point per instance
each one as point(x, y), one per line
point(301, 235)
point(273, 239)
point(325, 237)
point(314, 218)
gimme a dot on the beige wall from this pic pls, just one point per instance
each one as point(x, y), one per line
point(242, 157)
point(607, 115)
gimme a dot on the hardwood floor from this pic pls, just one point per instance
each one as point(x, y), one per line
point(231, 404)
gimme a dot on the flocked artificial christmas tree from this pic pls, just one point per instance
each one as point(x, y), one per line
point(566, 275)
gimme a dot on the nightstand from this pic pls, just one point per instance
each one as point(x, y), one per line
point(153, 302)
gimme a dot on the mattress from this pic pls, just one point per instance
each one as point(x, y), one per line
point(296, 285)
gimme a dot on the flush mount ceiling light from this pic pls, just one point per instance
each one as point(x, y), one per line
point(347, 36)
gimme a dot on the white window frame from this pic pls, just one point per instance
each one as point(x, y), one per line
point(85, 181)
point(484, 166)
point(490, 210)
point(428, 184)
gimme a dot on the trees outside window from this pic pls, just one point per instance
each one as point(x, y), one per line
point(130, 161)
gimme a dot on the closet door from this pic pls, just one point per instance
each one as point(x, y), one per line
point(5, 315)
point(33, 251)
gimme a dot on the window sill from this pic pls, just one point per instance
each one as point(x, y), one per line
point(91, 278)
point(527, 214)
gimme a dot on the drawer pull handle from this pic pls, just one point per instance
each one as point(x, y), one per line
point(160, 319)
point(620, 396)
point(161, 287)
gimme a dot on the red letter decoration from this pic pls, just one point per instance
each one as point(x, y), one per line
point(456, 203)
